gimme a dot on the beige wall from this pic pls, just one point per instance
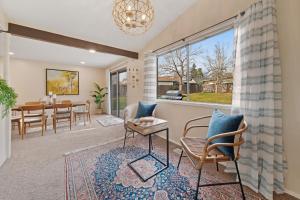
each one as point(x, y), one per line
point(289, 42)
point(209, 12)
point(29, 80)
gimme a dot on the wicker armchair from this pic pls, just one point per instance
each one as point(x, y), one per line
point(130, 113)
point(201, 151)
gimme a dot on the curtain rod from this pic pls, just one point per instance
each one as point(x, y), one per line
point(207, 28)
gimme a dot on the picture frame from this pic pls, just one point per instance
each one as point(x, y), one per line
point(62, 82)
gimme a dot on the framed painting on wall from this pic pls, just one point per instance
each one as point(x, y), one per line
point(62, 82)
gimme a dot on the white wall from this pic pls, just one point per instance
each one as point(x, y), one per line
point(28, 78)
point(5, 128)
point(209, 12)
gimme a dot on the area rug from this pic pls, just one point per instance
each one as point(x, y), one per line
point(101, 172)
point(109, 120)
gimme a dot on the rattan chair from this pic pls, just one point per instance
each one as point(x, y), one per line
point(38, 117)
point(201, 151)
point(62, 111)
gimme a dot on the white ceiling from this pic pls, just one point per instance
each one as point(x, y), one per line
point(84, 19)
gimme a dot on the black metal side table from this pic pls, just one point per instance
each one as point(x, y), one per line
point(148, 129)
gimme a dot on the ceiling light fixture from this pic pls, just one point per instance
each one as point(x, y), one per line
point(92, 51)
point(11, 53)
point(82, 62)
point(133, 16)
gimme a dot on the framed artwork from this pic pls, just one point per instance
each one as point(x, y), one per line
point(62, 82)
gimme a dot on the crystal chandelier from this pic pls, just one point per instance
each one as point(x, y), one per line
point(133, 16)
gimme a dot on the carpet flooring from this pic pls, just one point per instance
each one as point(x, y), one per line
point(36, 169)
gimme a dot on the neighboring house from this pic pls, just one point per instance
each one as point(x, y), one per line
point(166, 83)
point(209, 85)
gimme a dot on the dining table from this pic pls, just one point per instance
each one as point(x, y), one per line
point(51, 105)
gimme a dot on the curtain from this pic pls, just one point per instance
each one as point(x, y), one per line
point(257, 94)
point(149, 78)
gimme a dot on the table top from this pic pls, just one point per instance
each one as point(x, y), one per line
point(147, 127)
point(50, 106)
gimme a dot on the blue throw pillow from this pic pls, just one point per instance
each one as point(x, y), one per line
point(145, 110)
point(222, 123)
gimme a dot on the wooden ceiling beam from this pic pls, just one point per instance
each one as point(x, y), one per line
point(36, 34)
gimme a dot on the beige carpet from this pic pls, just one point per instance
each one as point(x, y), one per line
point(36, 168)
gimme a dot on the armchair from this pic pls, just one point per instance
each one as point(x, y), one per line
point(201, 151)
point(130, 113)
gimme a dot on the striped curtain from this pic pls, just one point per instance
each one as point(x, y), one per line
point(149, 78)
point(257, 94)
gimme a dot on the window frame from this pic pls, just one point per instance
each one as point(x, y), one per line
point(187, 43)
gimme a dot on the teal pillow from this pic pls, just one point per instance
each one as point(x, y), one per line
point(145, 110)
point(222, 123)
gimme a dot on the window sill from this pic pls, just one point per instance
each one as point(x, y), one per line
point(196, 104)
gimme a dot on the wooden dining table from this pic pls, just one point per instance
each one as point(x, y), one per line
point(50, 106)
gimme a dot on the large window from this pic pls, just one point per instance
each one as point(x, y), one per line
point(200, 71)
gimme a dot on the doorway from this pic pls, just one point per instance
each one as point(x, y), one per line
point(118, 92)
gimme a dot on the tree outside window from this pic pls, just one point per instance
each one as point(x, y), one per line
point(208, 77)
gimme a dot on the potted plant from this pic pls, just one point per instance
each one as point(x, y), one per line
point(99, 95)
point(7, 97)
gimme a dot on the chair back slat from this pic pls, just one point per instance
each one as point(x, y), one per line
point(29, 108)
point(62, 106)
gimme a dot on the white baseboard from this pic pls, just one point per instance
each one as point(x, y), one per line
point(294, 194)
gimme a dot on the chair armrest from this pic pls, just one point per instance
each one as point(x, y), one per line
point(187, 128)
point(192, 127)
point(209, 146)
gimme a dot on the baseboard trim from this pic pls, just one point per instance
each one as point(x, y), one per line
point(294, 194)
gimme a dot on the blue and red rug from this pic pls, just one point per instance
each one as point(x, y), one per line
point(101, 172)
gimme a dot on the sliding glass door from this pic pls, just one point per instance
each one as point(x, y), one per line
point(118, 92)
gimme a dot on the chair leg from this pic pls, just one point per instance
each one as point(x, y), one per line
point(198, 183)
point(70, 123)
point(217, 164)
point(180, 159)
point(19, 128)
point(125, 138)
point(240, 181)
point(43, 126)
point(54, 125)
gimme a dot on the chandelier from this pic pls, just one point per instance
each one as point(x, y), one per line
point(133, 16)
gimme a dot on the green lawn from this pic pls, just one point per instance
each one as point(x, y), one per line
point(122, 102)
point(223, 98)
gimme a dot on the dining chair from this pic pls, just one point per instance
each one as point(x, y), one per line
point(32, 114)
point(85, 112)
point(201, 151)
point(62, 111)
point(16, 120)
point(38, 117)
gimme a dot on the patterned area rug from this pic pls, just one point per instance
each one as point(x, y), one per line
point(101, 172)
point(109, 120)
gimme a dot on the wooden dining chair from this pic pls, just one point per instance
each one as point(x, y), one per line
point(62, 111)
point(16, 121)
point(85, 113)
point(38, 117)
point(202, 151)
point(32, 114)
